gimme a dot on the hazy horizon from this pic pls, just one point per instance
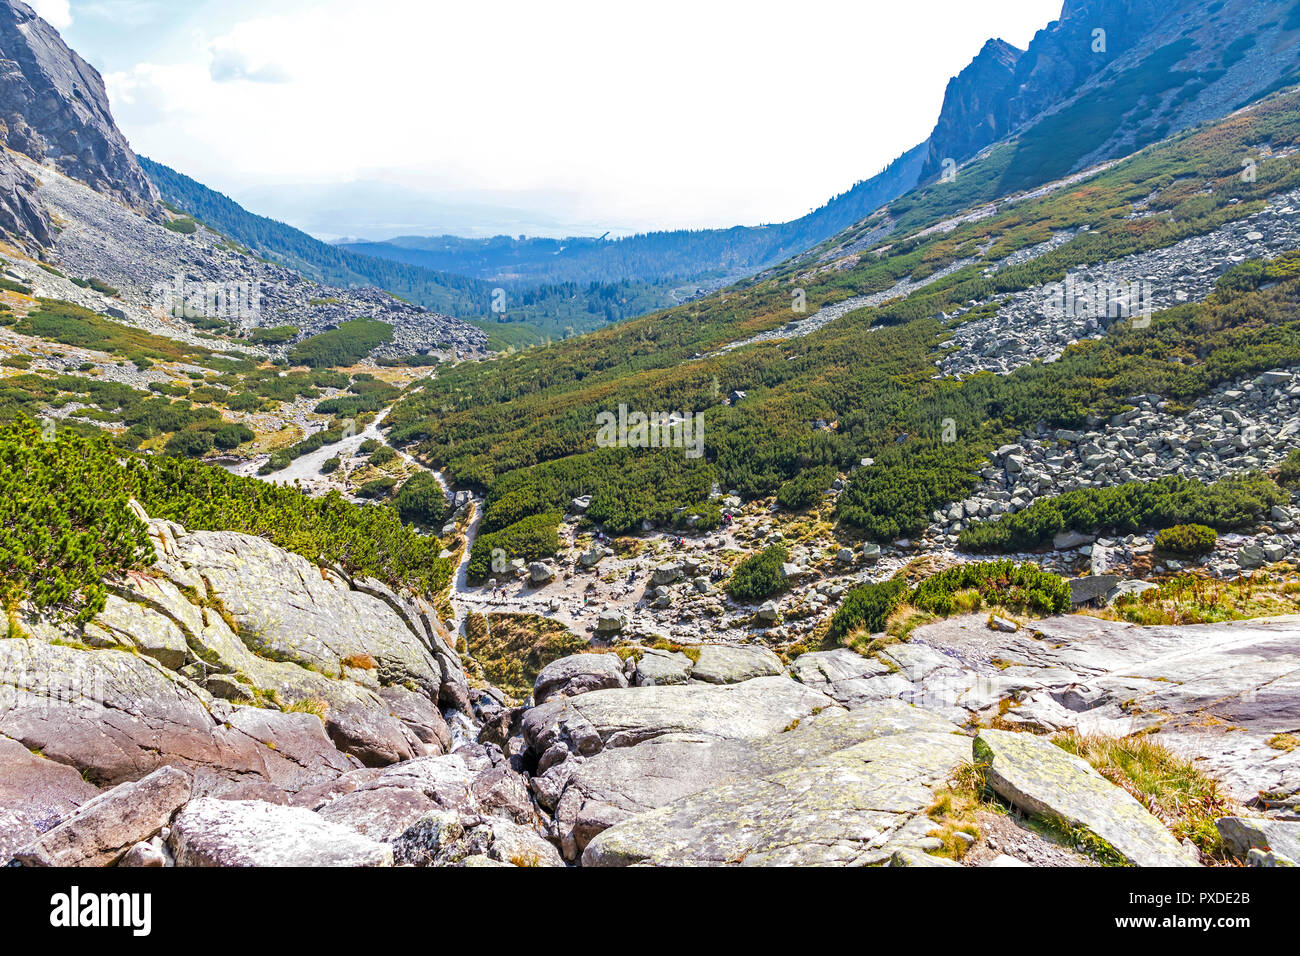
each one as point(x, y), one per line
point(417, 118)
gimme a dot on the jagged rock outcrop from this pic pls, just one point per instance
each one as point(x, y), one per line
point(23, 220)
point(53, 108)
point(976, 105)
point(246, 666)
point(1040, 778)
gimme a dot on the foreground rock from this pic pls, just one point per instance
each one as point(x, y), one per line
point(1215, 692)
point(1243, 834)
point(621, 718)
point(854, 806)
point(617, 784)
point(117, 716)
point(732, 664)
point(1040, 778)
point(104, 829)
point(210, 832)
point(36, 795)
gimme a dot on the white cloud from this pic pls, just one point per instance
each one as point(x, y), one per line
point(58, 13)
point(678, 113)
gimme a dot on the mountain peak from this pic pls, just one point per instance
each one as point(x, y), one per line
point(54, 109)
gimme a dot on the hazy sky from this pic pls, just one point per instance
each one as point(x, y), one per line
point(604, 114)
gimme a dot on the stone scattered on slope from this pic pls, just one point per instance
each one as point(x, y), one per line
point(211, 832)
point(1040, 778)
point(102, 831)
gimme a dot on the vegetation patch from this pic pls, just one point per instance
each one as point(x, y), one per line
point(510, 650)
point(1171, 787)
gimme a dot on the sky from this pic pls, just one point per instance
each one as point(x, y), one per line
point(387, 117)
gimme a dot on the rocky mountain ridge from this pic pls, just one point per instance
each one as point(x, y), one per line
point(54, 108)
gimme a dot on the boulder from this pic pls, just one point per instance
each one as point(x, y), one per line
point(849, 807)
point(210, 832)
point(667, 574)
point(102, 831)
point(1067, 540)
point(610, 623)
point(621, 718)
point(382, 814)
point(578, 674)
point(1040, 778)
point(731, 664)
point(291, 610)
point(36, 795)
point(663, 667)
point(117, 716)
point(622, 782)
point(1243, 834)
point(539, 573)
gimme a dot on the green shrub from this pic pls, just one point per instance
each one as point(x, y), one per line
point(421, 501)
point(1288, 473)
point(278, 335)
point(377, 488)
point(64, 521)
point(806, 489)
point(232, 436)
point(191, 444)
point(1230, 503)
point(330, 465)
point(868, 607)
point(760, 575)
point(1023, 587)
point(531, 539)
point(185, 226)
point(382, 456)
point(1187, 540)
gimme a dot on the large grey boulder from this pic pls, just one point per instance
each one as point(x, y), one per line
point(848, 677)
point(36, 795)
point(663, 667)
point(621, 782)
point(621, 718)
point(1040, 778)
point(1243, 834)
point(102, 831)
point(210, 832)
point(732, 664)
point(850, 807)
point(382, 814)
point(287, 608)
point(578, 674)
